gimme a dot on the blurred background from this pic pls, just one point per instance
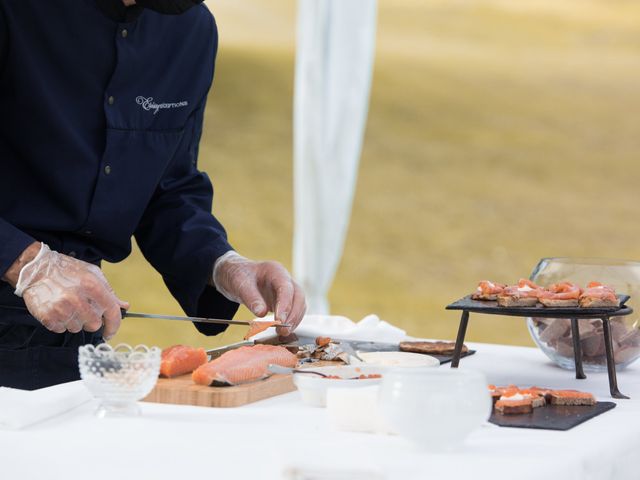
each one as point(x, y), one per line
point(500, 132)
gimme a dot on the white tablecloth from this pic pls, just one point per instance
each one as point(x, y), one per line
point(263, 440)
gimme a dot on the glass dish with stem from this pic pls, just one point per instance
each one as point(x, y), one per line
point(119, 376)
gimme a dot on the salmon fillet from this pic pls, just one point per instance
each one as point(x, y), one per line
point(243, 365)
point(181, 359)
point(257, 326)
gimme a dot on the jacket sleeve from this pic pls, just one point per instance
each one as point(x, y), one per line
point(181, 238)
point(12, 240)
point(12, 243)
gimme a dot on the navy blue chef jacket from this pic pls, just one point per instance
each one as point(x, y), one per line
point(99, 132)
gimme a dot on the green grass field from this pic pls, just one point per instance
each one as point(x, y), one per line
point(499, 132)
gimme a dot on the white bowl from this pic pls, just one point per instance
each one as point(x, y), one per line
point(399, 359)
point(313, 388)
point(435, 409)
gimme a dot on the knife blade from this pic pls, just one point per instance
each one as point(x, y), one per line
point(216, 352)
point(126, 314)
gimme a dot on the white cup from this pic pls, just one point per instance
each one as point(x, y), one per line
point(436, 409)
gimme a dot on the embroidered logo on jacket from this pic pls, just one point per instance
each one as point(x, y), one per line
point(149, 105)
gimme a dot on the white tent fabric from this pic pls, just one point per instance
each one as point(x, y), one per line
point(334, 63)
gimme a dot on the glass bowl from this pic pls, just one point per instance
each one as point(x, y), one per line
point(119, 376)
point(554, 336)
point(434, 408)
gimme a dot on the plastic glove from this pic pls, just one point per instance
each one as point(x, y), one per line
point(64, 293)
point(263, 287)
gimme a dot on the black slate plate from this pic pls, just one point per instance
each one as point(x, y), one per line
point(552, 417)
point(392, 347)
point(294, 341)
point(492, 307)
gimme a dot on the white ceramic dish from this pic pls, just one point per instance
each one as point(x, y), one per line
point(434, 408)
point(313, 388)
point(398, 359)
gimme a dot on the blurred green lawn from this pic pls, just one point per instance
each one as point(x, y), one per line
point(500, 132)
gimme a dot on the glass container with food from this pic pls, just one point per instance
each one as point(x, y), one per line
point(553, 336)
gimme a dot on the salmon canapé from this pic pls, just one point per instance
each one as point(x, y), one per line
point(598, 295)
point(257, 326)
point(243, 365)
point(181, 359)
point(487, 290)
point(524, 294)
point(564, 294)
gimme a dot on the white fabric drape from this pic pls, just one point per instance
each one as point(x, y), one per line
point(334, 62)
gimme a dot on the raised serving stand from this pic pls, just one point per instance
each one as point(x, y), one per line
point(468, 305)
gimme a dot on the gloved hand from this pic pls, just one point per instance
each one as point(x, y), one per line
point(64, 293)
point(263, 287)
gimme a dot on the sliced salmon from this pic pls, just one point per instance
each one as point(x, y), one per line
point(243, 365)
point(562, 291)
point(181, 359)
point(598, 295)
point(487, 290)
point(257, 326)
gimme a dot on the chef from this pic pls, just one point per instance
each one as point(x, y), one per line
point(102, 114)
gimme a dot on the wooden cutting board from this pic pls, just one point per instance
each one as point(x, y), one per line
point(182, 391)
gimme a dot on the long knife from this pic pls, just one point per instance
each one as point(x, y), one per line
point(126, 314)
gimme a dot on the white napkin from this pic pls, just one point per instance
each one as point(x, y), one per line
point(21, 408)
point(369, 329)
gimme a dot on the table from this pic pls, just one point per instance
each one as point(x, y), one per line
point(262, 440)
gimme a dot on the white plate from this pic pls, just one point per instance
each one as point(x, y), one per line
point(313, 388)
point(399, 359)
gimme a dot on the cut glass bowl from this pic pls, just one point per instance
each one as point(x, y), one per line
point(119, 376)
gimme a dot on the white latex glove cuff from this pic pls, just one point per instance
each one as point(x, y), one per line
point(25, 276)
point(230, 255)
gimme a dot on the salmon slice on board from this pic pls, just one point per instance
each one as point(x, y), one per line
point(181, 359)
point(243, 365)
point(257, 326)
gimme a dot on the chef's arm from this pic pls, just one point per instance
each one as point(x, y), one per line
point(16, 250)
point(181, 238)
point(62, 293)
point(188, 246)
point(12, 274)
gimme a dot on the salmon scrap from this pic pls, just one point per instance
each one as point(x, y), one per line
point(323, 341)
point(257, 326)
point(243, 365)
point(181, 359)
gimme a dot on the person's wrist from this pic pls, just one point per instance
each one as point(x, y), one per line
point(219, 264)
point(13, 273)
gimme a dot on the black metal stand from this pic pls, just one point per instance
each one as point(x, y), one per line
point(611, 363)
point(462, 331)
point(574, 316)
point(577, 349)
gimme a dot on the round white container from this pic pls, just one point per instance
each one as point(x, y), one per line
point(436, 409)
